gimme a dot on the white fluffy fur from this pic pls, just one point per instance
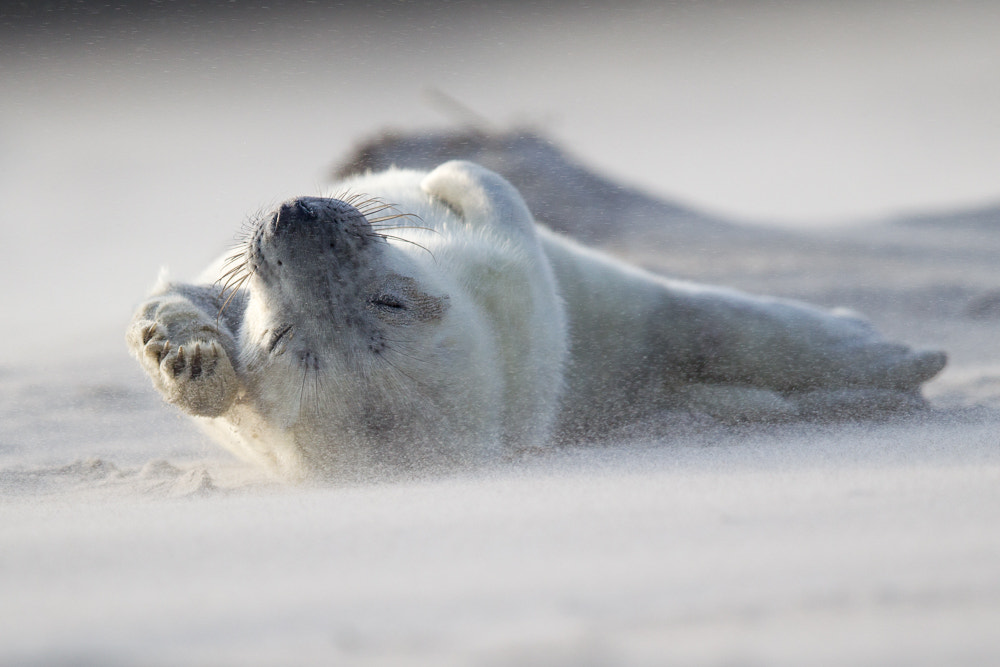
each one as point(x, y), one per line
point(539, 339)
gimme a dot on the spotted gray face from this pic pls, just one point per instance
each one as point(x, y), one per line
point(308, 240)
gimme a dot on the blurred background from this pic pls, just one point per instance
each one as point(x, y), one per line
point(140, 135)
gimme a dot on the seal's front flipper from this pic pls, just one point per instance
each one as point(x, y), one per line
point(480, 197)
point(183, 351)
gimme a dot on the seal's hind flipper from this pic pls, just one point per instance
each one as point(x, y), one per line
point(902, 368)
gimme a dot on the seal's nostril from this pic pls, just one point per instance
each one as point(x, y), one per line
point(305, 210)
point(290, 215)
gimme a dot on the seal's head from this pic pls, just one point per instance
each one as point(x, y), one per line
point(345, 328)
point(316, 262)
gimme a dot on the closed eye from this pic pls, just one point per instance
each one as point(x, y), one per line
point(278, 335)
point(388, 301)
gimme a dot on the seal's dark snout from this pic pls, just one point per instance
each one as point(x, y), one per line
point(307, 240)
point(311, 227)
point(295, 212)
point(304, 210)
point(312, 211)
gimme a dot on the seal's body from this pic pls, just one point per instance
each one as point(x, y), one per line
point(424, 318)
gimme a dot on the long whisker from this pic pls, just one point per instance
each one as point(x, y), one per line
point(401, 341)
point(388, 207)
point(302, 388)
point(404, 240)
point(359, 200)
point(231, 272)
point(376, 222)
point(404, 373)
point(409, 356)
point(376, 207)
point(233, 291)
point(381, 230)
point(237, 264)
point(315, 393)
point(232, 277)
point(372, 203)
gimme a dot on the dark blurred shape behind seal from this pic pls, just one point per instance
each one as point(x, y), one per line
point(561, 193)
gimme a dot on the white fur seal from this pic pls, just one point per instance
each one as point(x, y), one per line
point(423, 318)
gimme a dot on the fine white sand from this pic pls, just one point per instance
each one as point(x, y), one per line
point(128, 538)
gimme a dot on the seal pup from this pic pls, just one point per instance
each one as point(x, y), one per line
point(418, 319)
